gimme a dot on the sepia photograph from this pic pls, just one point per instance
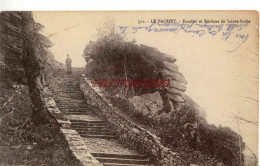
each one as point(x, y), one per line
point(129, 88)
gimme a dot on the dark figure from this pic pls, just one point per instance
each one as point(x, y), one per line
point(68, 64)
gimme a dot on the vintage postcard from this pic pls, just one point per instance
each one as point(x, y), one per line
point(128, 88)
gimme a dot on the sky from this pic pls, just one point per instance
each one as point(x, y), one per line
point(224, 83)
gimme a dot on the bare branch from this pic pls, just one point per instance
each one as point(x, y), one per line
point(8, 101)
point(9, 113)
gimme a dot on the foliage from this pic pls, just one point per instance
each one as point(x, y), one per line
point(185, 131)
point(24, 59)
point(190, 135)
point(26, 56)
point(112, 57)
point(188, 132)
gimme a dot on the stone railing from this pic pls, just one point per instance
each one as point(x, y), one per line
point(128, 132)
point(73, 140)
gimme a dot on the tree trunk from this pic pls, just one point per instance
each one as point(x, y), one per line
point(39, 112)
point(32, 68)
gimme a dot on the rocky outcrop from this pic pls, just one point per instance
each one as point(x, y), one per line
point(148, 104)
point(173, 95)
point(142, 62)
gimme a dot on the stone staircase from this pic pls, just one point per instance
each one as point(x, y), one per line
point(97, 129)
point(120, 159)
point(99, 138)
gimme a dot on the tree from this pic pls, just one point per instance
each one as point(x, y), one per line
point(112, 56)
point(25, 54)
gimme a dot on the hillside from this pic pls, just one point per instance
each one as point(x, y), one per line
point(51, 117)
point(165, 110)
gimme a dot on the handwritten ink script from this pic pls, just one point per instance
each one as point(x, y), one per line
point(194, 29)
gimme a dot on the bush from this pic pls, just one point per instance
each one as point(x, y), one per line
point(189, 134)
point(187, 131)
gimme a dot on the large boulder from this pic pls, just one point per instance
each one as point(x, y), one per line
point(148, 105)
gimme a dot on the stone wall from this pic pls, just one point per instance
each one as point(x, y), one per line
point(73, 140)
point(128, 132)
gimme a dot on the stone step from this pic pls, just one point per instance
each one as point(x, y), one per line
point(66, 97)
point(119, 164)
point(98, 136)
point(73, 92)
point(73, 108)
point(89, 125)
point(70, 83)
point(69, 105)
point(62, 97)
point(123, 156)
point(80, 110)
point(89, 121)
point(73, 89)
point(77, 105)
point(79, 113)
point(92, 129)
point(75, 97)
point(122, 161)
point(66, 88)
point(77, 109)
point(70, 91)
point(70, 101)
point(66, 93)
point(98, 132)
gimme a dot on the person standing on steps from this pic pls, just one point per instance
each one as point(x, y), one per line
point(68, 64)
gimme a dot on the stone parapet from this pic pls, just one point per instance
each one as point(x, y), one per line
point(128, 132)
point(74, 142)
